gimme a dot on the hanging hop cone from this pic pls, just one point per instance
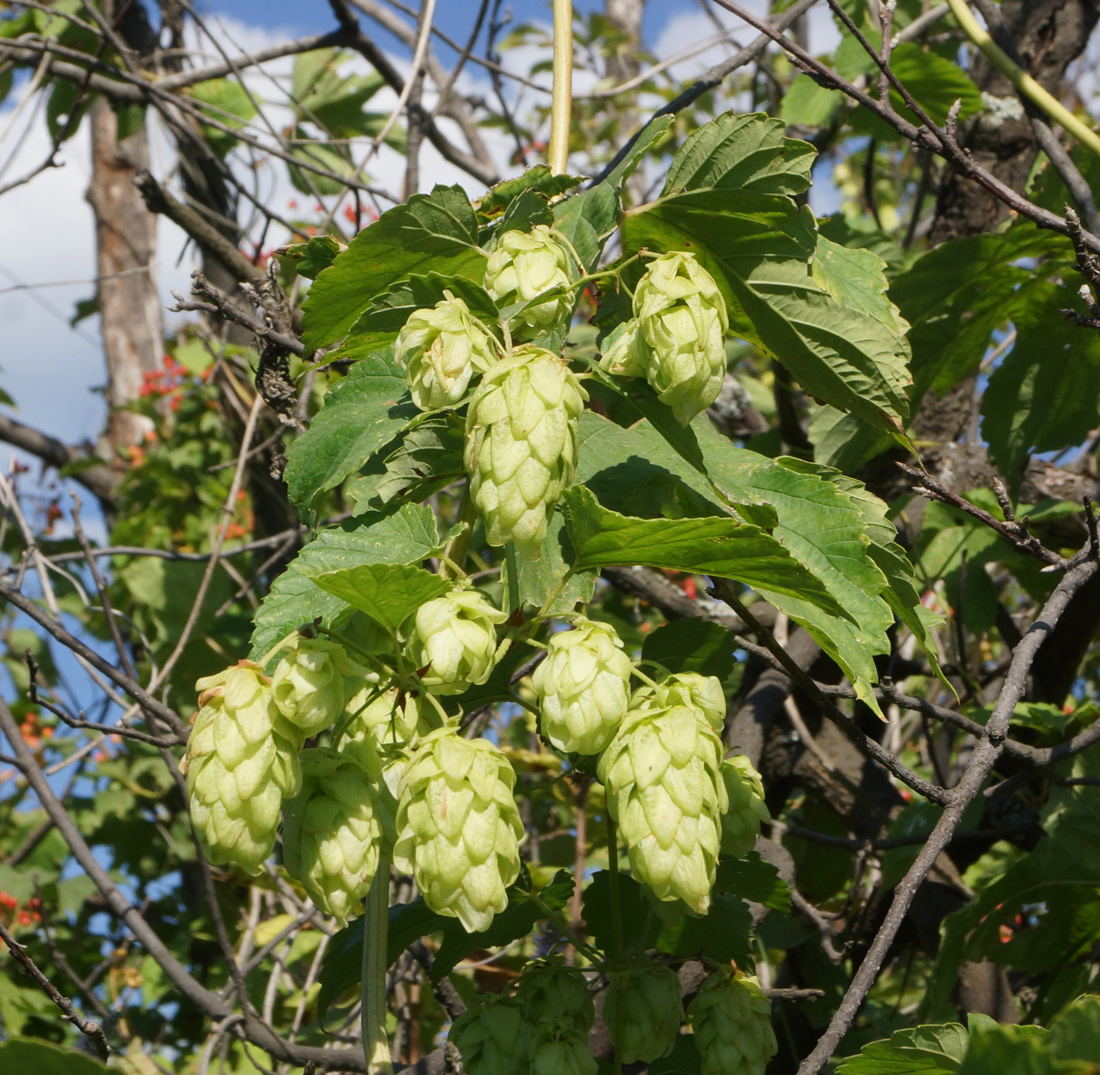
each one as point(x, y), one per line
point(521, 445)
point(731, 1018)
point(558, 1004)
point(560, 1051)
point(332, 831)
point(494, 1038)
point(747, 810)
point(583, 687)
point(643, 1011)
point(441, 349)
point(624, 353)
point(389, 719)
point(662, 773)
point(525, 265)
point(454, 641)
point(682, 324)
point(312, 683)
point(458, 829)
point(703, 693)
point(239, 768)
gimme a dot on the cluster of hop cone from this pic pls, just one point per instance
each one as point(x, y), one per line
point(393, 778)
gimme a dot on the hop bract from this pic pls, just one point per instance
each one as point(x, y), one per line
point(731, 1018)
point(493, 1038)
point(458, 829)
point(441, 350)
point(686, 688)
point(454, 641)
point(662, 773)
point(747, 809)
point(388, 719)
point(332, 831)
point(583, 687)
point(625, 353)
point(524, 266)
point(521, 445)
point(682, 324)
point(239, 768)
point(311, 684)
point(643, 1012)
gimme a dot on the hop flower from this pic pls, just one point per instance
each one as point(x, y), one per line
point(493, 1038)
point(239, 768)
point(703, 693)
point(310, 684)
point(553, 994)
point(332, 831)
point(521, 445)
point(662, 773)
point(458, 829)
point(643, 1011)
point(441, 349)
point(524, 266)
point(388, 719)
point(454, 641)
point(583, 687)
point(682, 323)
point(560, 1051)
point(731, 1018)
point(747, 810)
point(625, 354)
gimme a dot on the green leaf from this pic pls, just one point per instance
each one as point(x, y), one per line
point(746, 153)
point(1075, 1032)
point(683, 1060)
point(362, 413)
point(842, 440)
point(587, 219)
point(388, 593)
point(723, 548)
point(538, 178)
point(537, 579)
point(24, 1056)
point(759, 247)
point(436, 232)
point(1014, 1050)
point(807, 104)
point(721, 935)
point(756, 880)
point(635, 907)
point(649, 137)
point(406, 536)
point(693, 645)
point(310, 258)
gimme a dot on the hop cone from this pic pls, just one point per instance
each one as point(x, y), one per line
point(458, 829)
point(732, 1022)
point(747, 810)
point(454, 641)
point(643, 1012)
point(662, 773)
point(583, 687)
point(557, 995)
point(310, 684)
point(388, 719)
point(441, 349)
point(521, 445)
point(703, 693)
point(524, 266)
point(239, 768)
point(332, 831)
point(558, 1050)
point(494, 1038)
point(625, 354)
point(682, 323)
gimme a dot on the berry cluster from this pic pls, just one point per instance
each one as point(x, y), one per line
point(30, 914)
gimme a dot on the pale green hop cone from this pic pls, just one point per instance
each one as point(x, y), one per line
point(238, 768)
point(312, 683)
point(583, 687)
point(524, 266)
point(458, 829)
point(454, 641)
point(521, 445)
point(554, 994)
point(333, 830)
point(662, 773)
point(747, 809)
point(682, 324)
point(387, 719)
point(686, 688)
point(494, 1038)
point(643, 1011)
point(441, 350)
point(625, 353)
point(731, 1018)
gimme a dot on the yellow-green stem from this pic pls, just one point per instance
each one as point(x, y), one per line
point(376, 919)
point(562, 103)
point(1020, 78)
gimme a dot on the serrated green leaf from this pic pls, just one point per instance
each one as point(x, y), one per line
point(722, 548)
point(431, 232)
point(537, 178)
point(1015, 1050)
point(587, 219)
point(407, 536)
point(1075, 1032)
point(537, 579)
point(693, 645)
point(746, 153)
point(759, 248)
point(310, 258)
point(807, 104)
point(722, 935)
point(388, 593)
point(755, 880)
point(362, 414)
point(648, 138)
point(22, 1056)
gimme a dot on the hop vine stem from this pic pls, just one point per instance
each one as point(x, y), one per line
point(562, 103)
point(376, 1046)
